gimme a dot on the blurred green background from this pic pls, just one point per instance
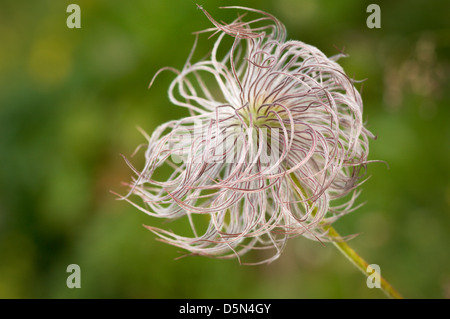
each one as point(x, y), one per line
point(70, 101)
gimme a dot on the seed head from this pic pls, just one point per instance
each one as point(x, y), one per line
point(274, 137)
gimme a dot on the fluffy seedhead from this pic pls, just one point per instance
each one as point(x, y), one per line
point(275, 135)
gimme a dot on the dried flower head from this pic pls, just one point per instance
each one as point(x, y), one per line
point(275, 134)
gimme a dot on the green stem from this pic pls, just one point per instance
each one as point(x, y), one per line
point(347, 251)
point(360, 263)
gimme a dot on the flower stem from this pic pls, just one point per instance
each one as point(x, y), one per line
point(346, 250)
point(360, 263)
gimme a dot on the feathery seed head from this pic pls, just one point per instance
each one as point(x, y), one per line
point(275, 134)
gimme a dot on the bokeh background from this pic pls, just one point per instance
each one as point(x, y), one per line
point(70, 102)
